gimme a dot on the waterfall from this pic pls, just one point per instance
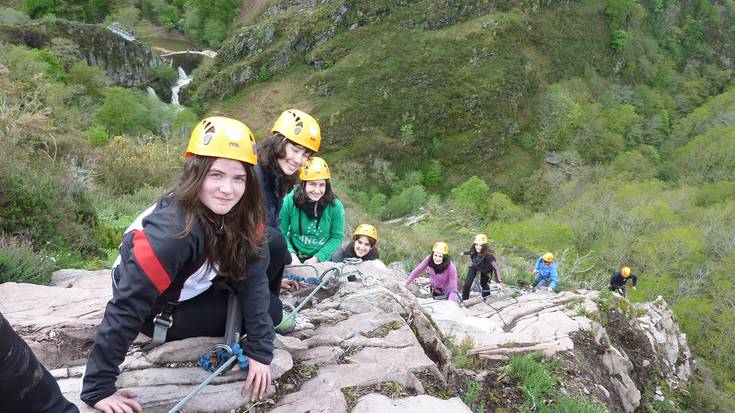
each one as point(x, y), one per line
point(183, 80)
point(151, 91)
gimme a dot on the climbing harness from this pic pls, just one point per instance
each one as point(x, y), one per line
point(222, 356)
point(161, 323)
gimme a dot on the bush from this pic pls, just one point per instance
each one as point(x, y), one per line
point(130, 165)
point(98, 136)
point(406, 202)
point(20, 263)
point(43, 201)
point(11, 16)
point(709, 194)
point(91, 78)
point(471, 195)
point(165, 74)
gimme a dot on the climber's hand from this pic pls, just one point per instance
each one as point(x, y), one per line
point(122, 401)
point(259, 377)
point(287, 283)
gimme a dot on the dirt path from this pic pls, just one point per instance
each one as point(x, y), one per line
point(248, 10)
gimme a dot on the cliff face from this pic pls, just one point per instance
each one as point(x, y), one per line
point(126, 63)
point(373, 345)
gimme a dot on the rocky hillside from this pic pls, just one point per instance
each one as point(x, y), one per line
point(373, 345)
point(125, 63)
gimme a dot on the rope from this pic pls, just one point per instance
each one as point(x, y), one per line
point(199, 388)
point(324, 279)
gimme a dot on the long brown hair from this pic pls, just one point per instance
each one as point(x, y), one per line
point(269, 152)
point(233, 239)
point(484, 251)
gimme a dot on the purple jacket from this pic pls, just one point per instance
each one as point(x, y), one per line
point(445, 281)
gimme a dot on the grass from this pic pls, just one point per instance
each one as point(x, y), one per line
point(535, 372)
point(461, 358)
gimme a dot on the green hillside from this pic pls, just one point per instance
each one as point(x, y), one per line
point(603, 131)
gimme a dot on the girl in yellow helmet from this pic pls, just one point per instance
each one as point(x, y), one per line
point(209, 230)
point(363, 245)
point(312, 217)
point(482, 260)
point(295, 137)
point(442, 272)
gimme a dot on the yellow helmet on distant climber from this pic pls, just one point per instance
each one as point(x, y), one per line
point(481, 239)
point(222, 137)
point(548, 257)
point(441, 247)
point(625, 272)
point(299, 127)
point(316, 168)
point(367, 230)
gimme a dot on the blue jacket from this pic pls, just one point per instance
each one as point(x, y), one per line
point(268, 178)
point(546, 271)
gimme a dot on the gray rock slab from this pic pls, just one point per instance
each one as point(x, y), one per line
point(330, 400)
point(416, 404)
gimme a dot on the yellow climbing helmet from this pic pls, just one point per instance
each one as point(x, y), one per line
point(625, 272)
point(548, 257)
point(316, 168)
point(222, 137)
point(481, 239)
point(299, 127)
point(441, 247)
point(367, 230)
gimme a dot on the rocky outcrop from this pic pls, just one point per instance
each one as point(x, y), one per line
point(372, 345)
point(628, 349)
point(126, 63)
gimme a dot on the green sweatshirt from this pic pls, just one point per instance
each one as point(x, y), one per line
point(310, 239)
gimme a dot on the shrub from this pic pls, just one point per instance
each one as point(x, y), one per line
point(130, 165)
point(470, 195)
point(406, 202)
point(20, 263)
point(709, 194)
point(11, 16)
point(98, 136)
point(165, 74)
point(91, 78)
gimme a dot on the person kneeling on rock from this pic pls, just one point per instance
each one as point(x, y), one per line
point(208, 232)
point(442, 272)
point(545, 272)
point(482, 260)
point(619, 280)
point(363, 245)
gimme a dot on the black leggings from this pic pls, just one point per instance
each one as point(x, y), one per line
point(280, 258)
point(204, 316)
point(25, 385)
point(484, 282)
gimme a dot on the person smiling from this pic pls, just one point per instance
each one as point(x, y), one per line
point(312, 217)
point(363, 245)
point(295, 136)
point(442, 272)
point(180, 258)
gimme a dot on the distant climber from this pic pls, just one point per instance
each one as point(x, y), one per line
point(442, 272)
point(620, 279)
point(363, 245)
point(545, 272)
point(312, 217)
point(482, 260)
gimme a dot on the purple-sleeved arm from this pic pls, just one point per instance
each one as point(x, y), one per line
point(451, 281)
point(418, 270)
point(497, 269)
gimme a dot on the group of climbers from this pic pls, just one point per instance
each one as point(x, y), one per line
point(226, 232)
point(225, 235)
point(443, 273)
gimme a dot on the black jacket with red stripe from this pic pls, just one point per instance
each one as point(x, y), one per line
point(157, 265)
